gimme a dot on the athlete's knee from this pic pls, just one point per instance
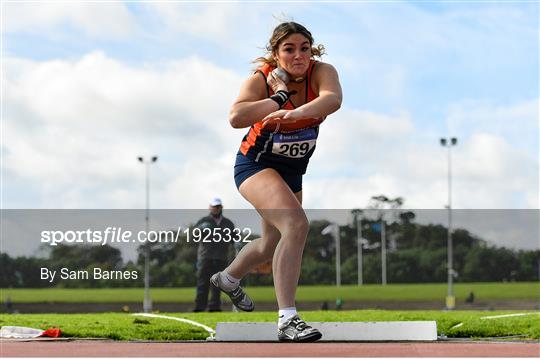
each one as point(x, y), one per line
point(296, 227)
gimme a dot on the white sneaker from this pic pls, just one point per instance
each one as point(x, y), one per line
point(296, 330)
point(238, 297)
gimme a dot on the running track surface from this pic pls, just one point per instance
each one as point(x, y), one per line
point(139, 349)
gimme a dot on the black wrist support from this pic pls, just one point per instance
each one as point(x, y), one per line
point(281, 97)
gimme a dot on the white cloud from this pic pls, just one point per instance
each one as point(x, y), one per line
point(218, 22)
point(361, 154)
point(73, 130)
point(233, 27)
point(105, 20)
point(517, 123)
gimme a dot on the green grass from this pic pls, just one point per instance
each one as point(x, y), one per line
point(121, 326)
point(370, 292)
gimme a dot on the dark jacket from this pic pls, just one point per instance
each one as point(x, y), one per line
point(214, 247)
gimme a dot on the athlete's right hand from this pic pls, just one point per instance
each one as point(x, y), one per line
point(275, 83)
point(283, 116)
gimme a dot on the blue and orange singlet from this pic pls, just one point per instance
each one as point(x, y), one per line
point(284, 147)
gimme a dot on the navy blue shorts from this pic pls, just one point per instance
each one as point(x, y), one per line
point(245, 168)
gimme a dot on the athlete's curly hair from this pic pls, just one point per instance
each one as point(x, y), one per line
point(282, 31)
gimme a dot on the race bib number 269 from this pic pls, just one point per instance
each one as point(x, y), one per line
point(296, 144)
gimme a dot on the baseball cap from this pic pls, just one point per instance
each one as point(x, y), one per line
point(215, 202)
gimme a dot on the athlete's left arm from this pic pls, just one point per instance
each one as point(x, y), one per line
point(325, 79)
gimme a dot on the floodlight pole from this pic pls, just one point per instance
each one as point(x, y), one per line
point(147, 303)
point(338, 255)
point(450, 298)
point(359, 245)
point(383, 251)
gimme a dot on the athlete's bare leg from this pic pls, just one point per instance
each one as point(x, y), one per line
point(282, 209)
point(256, 252)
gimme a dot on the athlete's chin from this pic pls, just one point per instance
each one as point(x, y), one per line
point(298, 72)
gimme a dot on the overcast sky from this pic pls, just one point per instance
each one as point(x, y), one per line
point(88, 87)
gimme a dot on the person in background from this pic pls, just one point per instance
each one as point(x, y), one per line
point(212, 257)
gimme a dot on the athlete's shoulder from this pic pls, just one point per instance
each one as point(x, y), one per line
point(323, 67)
point(254, 88)
point(265, 69)
point(325, 75)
